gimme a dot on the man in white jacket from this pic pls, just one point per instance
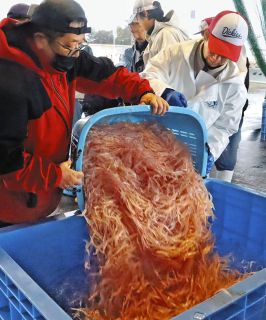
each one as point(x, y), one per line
point(225, 164)
point(162, 31)
point(204, 70)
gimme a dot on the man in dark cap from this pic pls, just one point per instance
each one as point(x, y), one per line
point(21, 12)
point(41, 67)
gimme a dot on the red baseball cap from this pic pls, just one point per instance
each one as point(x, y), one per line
point(228, 33)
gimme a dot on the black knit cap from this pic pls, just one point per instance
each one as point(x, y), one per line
point(57, 15)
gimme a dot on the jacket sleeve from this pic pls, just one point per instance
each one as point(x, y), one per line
point(165, 38)
point(36, 174)
point(122, 83)
point(158, 70)
point(13, 123)
point(126, 58)
point(228, 121)
point(22, 98)
point(100, 76)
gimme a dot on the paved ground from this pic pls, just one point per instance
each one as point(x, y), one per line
point(250, 170)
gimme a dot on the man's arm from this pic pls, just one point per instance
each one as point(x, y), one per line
point(167, 37)
point(22, 98)
point(126, 58)
point(103, 78)
point(158, 70)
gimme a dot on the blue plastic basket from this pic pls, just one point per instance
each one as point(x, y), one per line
point(42, 266)
point(187, 126)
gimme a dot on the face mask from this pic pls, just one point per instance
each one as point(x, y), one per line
point(63, 63)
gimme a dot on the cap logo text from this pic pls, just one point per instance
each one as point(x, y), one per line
point(231, 33)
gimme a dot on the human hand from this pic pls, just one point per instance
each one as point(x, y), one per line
point(159, 105)
point(70, 178)
point(174, 98)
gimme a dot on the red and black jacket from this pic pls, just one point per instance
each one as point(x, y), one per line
point(36, 111)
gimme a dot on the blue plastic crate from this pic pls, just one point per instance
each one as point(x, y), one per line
point(42, 266)
point(186, 125)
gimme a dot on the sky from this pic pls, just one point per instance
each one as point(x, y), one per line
point(108, 14)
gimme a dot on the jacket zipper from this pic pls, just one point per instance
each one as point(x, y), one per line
point(65, 106)
point(63, 118)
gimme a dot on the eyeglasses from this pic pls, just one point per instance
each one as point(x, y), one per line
point(72, 52)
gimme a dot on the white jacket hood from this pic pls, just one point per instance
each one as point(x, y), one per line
point(171, 21)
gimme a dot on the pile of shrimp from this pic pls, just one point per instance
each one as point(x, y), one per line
point(147, 211)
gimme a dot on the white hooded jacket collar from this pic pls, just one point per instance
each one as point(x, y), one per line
point(171, 21)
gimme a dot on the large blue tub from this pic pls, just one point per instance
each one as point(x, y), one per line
point(42, 266)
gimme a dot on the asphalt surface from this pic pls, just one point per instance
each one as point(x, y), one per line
point(250, 170)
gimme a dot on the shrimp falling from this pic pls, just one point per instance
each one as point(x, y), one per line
point(147, 211)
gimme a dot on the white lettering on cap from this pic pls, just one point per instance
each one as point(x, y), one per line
point(231, 33)
point(231, 28)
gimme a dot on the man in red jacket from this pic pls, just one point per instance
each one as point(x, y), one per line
point(41, 67)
